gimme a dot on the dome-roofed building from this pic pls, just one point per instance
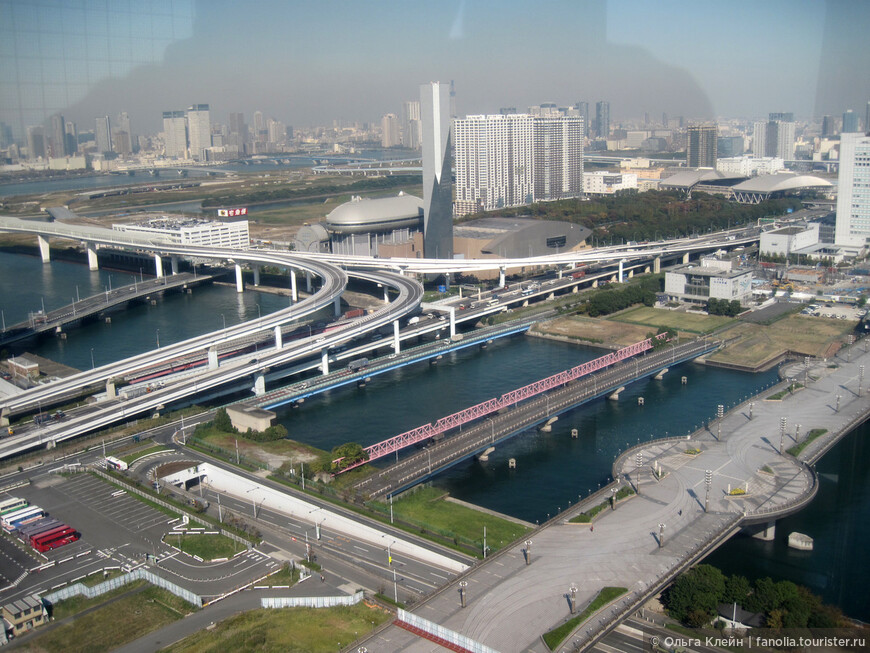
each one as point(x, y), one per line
point(764, 187)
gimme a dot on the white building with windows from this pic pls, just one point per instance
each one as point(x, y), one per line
point(603, 182)
point(750, 166)
point(696, 284)
point(193, 231)
point(198, 131)
point(853, 194)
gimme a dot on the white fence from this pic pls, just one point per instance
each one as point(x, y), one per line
point(310, 601)
point(443, 633)
point(78, 589)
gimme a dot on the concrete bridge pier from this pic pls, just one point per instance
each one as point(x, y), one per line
point(4, 417)
point(259, 385)
point(396, 343)
point(324, 360)
point(213, 361)
point(594, 284)
point(661, 374)
point(386, 295)
point(765, 532)
point(308, 282)
point(621, 270)
point(279, 343)
point(685, 258)
point(614, 396)
point(174, 262)
point(452, 321)
point(256, 275)
point(158, 266)
point(501, 274)
point(110, 390)
point(657, 264)
point(44, 250)
point(336, 306)
point(93, 261)
point(240, 282)
point(294, 293)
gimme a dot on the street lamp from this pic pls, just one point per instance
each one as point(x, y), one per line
point(462, 585)
point(782, 422)
point(638, 462)
point(573, 590)
point(528, 552)
point(661, 535)
point(92, 358)
point(225, 320)
point(708, 481)
point(720, 413)
point(613, 498)
point(158, 338)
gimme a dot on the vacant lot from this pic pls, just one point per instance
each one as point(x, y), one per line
point(756, 345)
point(592, 331)
point(274, 453)
point(653, 318)
point(207, 547)
point(289, 630)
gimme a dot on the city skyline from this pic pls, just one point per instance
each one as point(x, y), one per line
point(312, 64)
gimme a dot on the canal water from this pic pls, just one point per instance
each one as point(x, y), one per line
point(553, 469)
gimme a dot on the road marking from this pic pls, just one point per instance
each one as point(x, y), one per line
point(359, 548)
point(438, 575)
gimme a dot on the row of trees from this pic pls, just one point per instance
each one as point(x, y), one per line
point(695, 595)
point(729, 307)
point(605, 302)
point(301, 192)
point(223, 423)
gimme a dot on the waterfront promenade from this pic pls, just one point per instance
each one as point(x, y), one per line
point(654, 535)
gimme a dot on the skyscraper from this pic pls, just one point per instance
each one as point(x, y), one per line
point(35, 142)
point(602, 119)
point(58, 136)
point(390, 130)
point(867, 118)
point(103, 134)
point(198, 131)
point(122, 137)
point(583, 108)
point(558, 157)
point(853, 193)
point(238, 136)
point(701, 149)
point(437, 182)
point(411, 124)
point(174, 135)
point(71, 136)
point(828, 127)
point(850, 122)
point(774, 137)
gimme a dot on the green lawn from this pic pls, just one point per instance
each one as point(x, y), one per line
point(677, 320)
point(288, 630)
point(113, 625)
point(428, 506)
point(812, 435)
point(207, 547)
point(555, 637)
point(286, 576)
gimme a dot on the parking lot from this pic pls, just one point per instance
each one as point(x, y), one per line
point(117, 530)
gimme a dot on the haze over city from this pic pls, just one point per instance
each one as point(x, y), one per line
point(311, 63)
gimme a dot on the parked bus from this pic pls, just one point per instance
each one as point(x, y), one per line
point(115, 463)
point(54, 539)
point(11, 505)
point(40, 526)
point(15, 519)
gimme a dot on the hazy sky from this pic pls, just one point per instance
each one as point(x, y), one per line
point(308, 63)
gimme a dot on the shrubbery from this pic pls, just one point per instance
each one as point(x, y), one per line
point(731, 308)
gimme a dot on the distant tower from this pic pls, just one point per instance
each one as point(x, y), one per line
point(828, 128)
point(853, 192)
point(701, 148)
point(198, 130)
point(103, 134)
point(452, 100)
point(437, 182)
point(58, 136)
point(850, 122)
point(583, 108)
point(389, 130)
point(602, 119)
point(867, 118)
point(174, 135)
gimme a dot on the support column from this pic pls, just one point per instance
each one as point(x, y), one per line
point(93, 261)
point(308, 282)
point(386, 295)
point(501, 273)
point(452, 321)
point(337, 306)
point(657, 264)
point(259, 385)
point(44, 250)
point(294, 294)
point(767, 533)
point(279, 341)
point(256, 275)
point(685, 258)
point(174, 261)
point(158, 266)
point(621, 271)
point(213, 358)
point(240, 282)
point(396, 343)
point(324, 361)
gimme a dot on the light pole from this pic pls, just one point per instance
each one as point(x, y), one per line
point(158, 338)
point(638, 463)
point(528, 552)
point(782, 422)
point(708, 481)
point(613, 498)
point(661, 535)
point(225, 320)
point(573, 591)
point(462, 585)
point(720, 413)
point(860, 378)
point(92, 358)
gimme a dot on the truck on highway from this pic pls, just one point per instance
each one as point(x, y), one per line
point(358, 364)
point(354, 312)
point(414, 320)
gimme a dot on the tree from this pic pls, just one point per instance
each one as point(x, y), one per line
point(222, 421)
point(350, 453)
point(737, 588)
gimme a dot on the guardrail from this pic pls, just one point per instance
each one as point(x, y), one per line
point(443, 633)
point(310, 601)
point(79, 589)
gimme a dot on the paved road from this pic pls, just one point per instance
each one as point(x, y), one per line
point(510, 603)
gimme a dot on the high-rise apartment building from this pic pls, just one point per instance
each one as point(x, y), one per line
point(602, 119)
point(411, 125)
point(122, 137)
point(853, 192)
point(828, 127)
point(774, 138)
point(103, 134)
point(702, 146)
point(260, 133)
point(174, 135)
point(390, 131)
point(514, 159)
point(437, 181)
point(583, 110)
point(58, 136)
point(198, 131)
point(850, 122)
point(71, 136)
point(35, 142)
point(238, 132)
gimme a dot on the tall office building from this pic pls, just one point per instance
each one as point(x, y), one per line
point(774, 138)
point(35, 142)
point(390, 131)
point(602, 119)
point(437, 181)
point(174, 135)
point(702, 146)
point(238, 135)
point(103, 134)
point(411, 124)
point(58, 136)
point(850, 122)
point(867, 118)
point(853, 192)
point(515, 159)
point(828, 127)
point(71, 136)
point(260, 133)
point(583, 109)
point(122, 137)
point(198, 131)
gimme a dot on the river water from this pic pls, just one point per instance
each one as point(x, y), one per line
point(553, 469)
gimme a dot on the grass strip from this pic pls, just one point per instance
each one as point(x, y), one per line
point(130, 458)
point(812, 435)
point(207, 547)
point(556, 636)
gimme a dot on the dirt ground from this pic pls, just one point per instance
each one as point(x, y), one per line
point(594, 331)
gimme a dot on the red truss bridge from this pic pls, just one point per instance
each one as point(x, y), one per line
point(431, 430)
